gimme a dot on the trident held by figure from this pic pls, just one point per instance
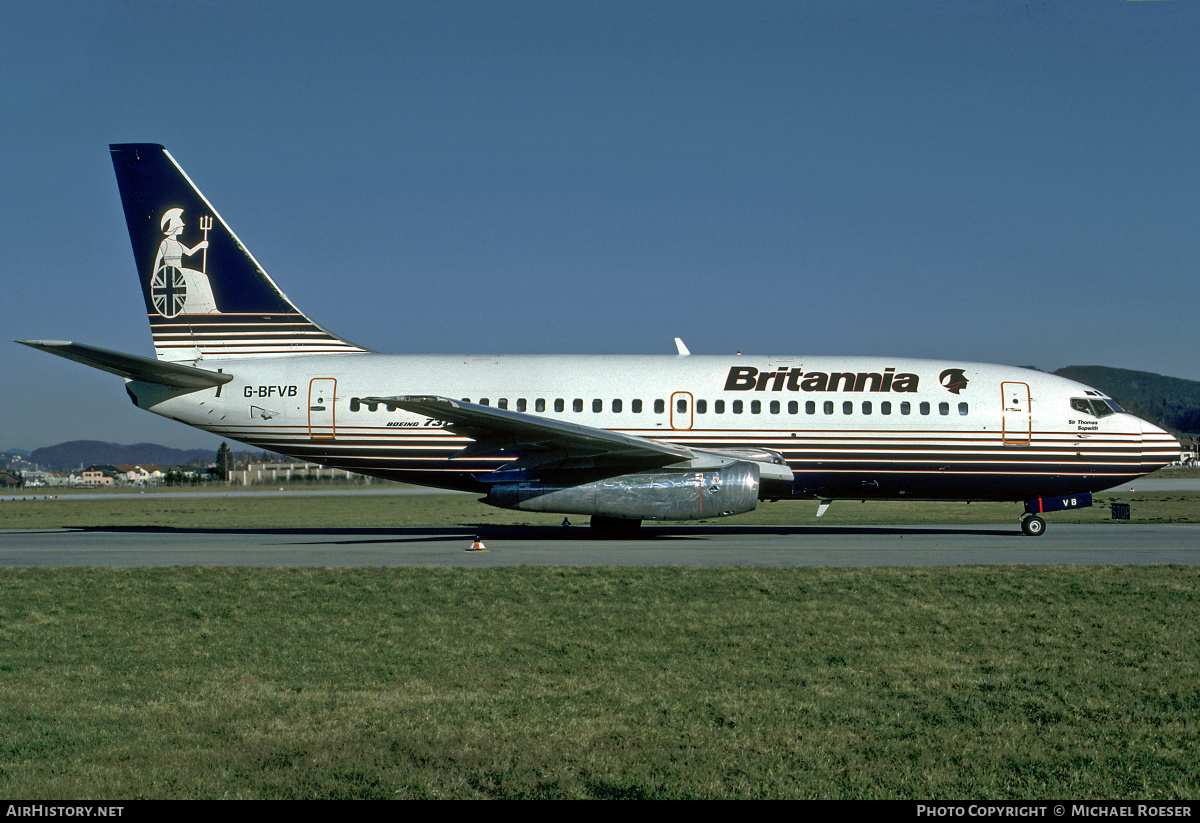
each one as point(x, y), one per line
point(205, 225)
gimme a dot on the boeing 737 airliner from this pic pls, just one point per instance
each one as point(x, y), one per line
point(623, 439)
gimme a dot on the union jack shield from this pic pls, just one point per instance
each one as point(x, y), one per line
point(168, 290)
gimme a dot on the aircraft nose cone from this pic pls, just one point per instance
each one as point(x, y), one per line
point(1158, 447)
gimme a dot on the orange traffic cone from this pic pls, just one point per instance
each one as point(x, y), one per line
point(477, 546)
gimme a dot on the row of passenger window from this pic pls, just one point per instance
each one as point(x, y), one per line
point(718, 406)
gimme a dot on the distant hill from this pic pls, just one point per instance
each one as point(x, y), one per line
point(74, 453)
point(1168, 401)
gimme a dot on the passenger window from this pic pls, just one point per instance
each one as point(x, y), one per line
point(847, 407)
point(701, 406)
point(756, 407)
point(597, 405)
point(681, 406)
point(810, 407)
point(719, 406)
point(885, 407)
point(659, 406)
point(774, 407)
point(925, 407)
point(577, 404)
point(559, 405)
point(354, 404)
point(793, 407)
point(521, 404)
point(866, 407)
point(829, 407)
point(483, 401)
point(502, 403)
point(737, 406)
point(962, 409)
point(906, 407)
point(616, 406)
point(943, 408)
point(636, 406)
point(539, 405)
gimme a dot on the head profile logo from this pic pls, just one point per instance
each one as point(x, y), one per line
point(953, 380)
point(174, 288)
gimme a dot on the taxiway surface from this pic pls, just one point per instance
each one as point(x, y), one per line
point(706, 545)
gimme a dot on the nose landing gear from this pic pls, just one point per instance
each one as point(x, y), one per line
point(1034, 526)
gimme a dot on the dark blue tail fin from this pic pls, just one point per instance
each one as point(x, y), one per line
point(206, 295)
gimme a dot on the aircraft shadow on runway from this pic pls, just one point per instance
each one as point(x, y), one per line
point(579, 533)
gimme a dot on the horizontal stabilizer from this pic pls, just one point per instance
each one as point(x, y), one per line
point(131, 366)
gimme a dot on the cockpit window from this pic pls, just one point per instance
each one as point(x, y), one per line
point(1094, 406)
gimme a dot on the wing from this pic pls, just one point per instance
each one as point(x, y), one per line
point(537, 440)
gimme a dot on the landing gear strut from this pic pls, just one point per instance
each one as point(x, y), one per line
point(1033, 525)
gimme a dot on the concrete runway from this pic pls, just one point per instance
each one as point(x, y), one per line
point(676, 545)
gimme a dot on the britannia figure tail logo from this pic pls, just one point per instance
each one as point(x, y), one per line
point(176, 290)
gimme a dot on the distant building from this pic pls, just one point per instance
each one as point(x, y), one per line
point(16, 462)
point(130, 475)
point(35, 479)
point(147, 475)
point(99, 475)
point(1189, 454)
point(9, 479)
point(276, 472)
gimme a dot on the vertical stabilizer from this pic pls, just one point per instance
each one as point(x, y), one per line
point(206, 295)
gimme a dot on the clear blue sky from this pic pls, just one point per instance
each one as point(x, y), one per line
point(1000, 182)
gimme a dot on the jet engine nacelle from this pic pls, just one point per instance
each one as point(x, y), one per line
point(652, 495)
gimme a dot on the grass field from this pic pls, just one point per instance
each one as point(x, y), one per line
point(974, 682)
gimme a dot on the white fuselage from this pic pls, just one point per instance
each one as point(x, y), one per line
point(853, 427)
